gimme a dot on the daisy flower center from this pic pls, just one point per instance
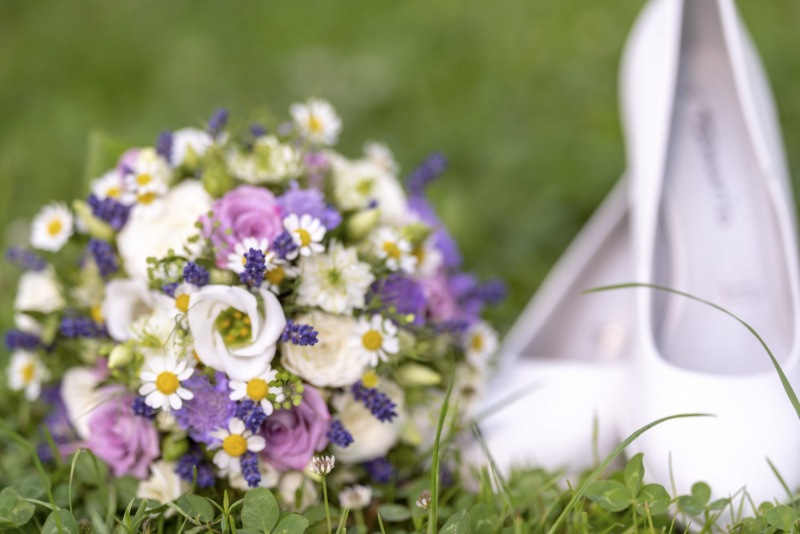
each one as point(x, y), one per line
point(182, 302)
point(372, 340)
point(234, 326)
point(113, 192)
point(314, 124)
point(477, 343)
point(28, 373)
point(392, 250)
point(54, 227)
point(370, 379)
point(146, 198)
point(235, 445)
point(97, 314)
point(144, 179)
point(257, 389)
point(275, 276)
point(305, 237)
point(167, 383)
point(364, 186)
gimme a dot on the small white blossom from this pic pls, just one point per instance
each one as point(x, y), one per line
point(355, 497)
point(394, 250)
point(307, 233)
point(424, 500)
point(149, 177)
point(335, 281)
point(376, 339)
point(52, 227)
point(256, 389)
point(269, 161)
point(381, 155)
point(317, 121)
point(188, 143)
point(480, 342)
point(235, 441)
point(111, 185)
point(322, 465)
point(162, 383)
point(26, 373)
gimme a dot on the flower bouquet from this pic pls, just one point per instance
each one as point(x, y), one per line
point(238, 307)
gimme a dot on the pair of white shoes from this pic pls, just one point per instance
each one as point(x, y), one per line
point(705, 208)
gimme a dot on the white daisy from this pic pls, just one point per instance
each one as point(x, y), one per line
point(26, 372)
point(182, 299)
point(335, 281)
point(149, 177)
point(236, 259)
point(269, 161)
point(394, 250)
point(162, 382)
point(277, 271)
point(256, 389)
point(235, 441)
point(317, 121)
point(52, 227)
point(355, 497)
point(307, 232)
point(480, 342)
point(377, 338)
point(111, 185)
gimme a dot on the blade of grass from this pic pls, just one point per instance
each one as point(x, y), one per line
point(579, 493)
point(784, 381)
point(72, 476)
point(434, 509)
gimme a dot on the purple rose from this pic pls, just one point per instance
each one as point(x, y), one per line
point(293, 436)
point(246, 211)
point(127, 442)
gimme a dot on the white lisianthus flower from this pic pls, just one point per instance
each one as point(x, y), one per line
point(126, 302)
point(294, 484)
point(188, 142)
point(270, 161)
point(317, 121)
point(164, 484)
point(26, 373)
point(480, 342)
point(335, 281)
point(375, 339)
point(144, 235)
point(80, 395)
point(371, 437)
point(38, 291)
point(357, 184)
point(52, 227)
point(233, 332)
point(332, 362)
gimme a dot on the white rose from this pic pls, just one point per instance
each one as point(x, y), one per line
point(331, 362)
point(288, 491)
point(79, 391)
point(242, 342)
point(164, 484)
point(371, 437)
point(126, 302)
point(146, 234)
point(357, 183)
point(39, 292)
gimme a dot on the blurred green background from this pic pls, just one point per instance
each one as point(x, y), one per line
point(520, 94)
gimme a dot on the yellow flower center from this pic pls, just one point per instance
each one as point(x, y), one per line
point(477, 342)
point(28, 373)
point(365, 186)
point(370, 379)
point(234, 326)
point(144, 179)
point(182, 302)
point(305, 237)
point(235, 445)
point(113, 192)
point(54, 227)
point(275, 276)
point(314, 124)
point(167, 383)
point(257, 389)
point(419, 253)
point(97, 314)
point(392, 250)
point(372, 340)
point(146, 198)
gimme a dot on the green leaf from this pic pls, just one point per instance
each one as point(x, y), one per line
point(634, 474)
point(260, 510)
point(457, 524)
point(655, 497)
point(609, 495)
point(291, 524)
point(394, 512)
point(481, 519)
point(695, 503)
point(719, 504)
point(782, 517)
point(68, 523)
point(196, 507)
point(14, 510)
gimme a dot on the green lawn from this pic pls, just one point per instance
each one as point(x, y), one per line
point(520, 94)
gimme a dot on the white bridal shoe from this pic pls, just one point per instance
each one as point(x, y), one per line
point(566, 353)
point(711, 216)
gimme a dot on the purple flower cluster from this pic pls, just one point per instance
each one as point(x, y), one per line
point(109, 210)
point(194, 460)
point(299, 334)
point(376, 402)
point(402, 294)
point(195, 275)
point(169, 289)
point(25, 259)
point(81, 327)
point(250, 470)
point(338, 434)
point(209, 410)
point(283, 245)
point(141, 409)
point(254, 268)
point(431, 168)
point(309, 201)
point(164, 145)
point(252, 414)
point(217, 121)
point(17, 339)
point(380, 470)
point(104, 256)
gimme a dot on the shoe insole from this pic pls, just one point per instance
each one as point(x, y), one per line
point(562, 322)
point(718, 236)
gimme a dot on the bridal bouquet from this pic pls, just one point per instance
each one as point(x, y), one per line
point(245, 307)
